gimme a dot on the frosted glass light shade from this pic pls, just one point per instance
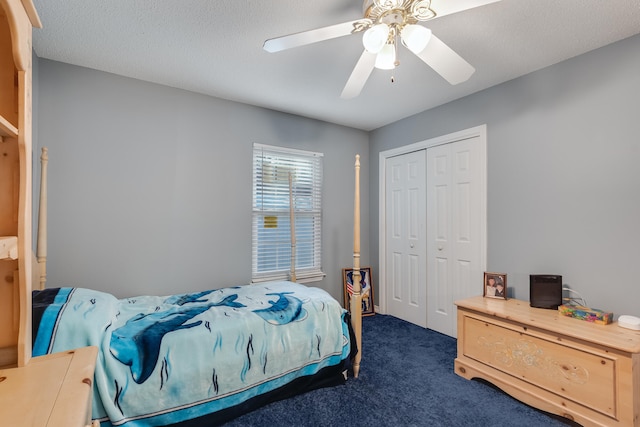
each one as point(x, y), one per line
point(375, 38)
point(415, 37)
point(386, 58)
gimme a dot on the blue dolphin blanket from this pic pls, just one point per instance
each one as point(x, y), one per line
point(206, 356)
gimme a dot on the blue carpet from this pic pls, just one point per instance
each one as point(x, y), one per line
point(406, 379)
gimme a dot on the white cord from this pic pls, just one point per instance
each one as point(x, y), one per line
point(571, 300)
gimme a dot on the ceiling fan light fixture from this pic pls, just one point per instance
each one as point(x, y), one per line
point(387, 4)
point(375, 38)
point(415, 37)
point(386, 58)
point(384, 24)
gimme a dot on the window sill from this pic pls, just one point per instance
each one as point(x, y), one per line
point(315, 276)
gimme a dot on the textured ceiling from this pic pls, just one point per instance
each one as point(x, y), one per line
point(214, 47)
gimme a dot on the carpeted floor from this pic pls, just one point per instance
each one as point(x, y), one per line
point(406, 379)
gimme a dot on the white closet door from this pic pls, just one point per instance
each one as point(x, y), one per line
point(454, 229)
point(406, 237)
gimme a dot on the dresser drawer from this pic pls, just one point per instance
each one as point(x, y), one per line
point(583, 377)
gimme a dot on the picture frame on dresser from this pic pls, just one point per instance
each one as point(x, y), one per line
point(494, 285)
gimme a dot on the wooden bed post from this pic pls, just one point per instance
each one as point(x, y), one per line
point(41, 249)
point(356, 297)
point(292, 227)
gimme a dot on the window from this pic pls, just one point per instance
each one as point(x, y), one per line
point(271, 254)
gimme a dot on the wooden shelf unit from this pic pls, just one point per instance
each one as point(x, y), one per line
point(8, 247)
point(53, 390)
point(7, 129)
point(586, 372)
point(17, 18)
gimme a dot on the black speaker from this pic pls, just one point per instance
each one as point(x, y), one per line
point(545, 291)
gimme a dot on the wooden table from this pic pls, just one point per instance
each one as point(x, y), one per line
point(52, 391)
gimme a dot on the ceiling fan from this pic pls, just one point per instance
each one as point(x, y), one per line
point(385, 23)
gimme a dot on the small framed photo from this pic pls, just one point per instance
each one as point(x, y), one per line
point(495, 285)
point(367, 289)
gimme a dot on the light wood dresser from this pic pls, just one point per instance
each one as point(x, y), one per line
point(586, 372)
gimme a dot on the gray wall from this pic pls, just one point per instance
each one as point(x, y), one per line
point(150, 186)
point(563, 173)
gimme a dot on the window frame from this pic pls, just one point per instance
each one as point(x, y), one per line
point(308, 166)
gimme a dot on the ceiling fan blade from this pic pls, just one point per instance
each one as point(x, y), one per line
point(312, 36)
point(445, 61)
point(359, 75)
point(448, 7)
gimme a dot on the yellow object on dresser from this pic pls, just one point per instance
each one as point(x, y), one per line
point(586, 313)
point(586, 372)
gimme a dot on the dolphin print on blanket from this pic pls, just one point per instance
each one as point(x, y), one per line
point(167, 360)
point(285, 310)
point(137, 343)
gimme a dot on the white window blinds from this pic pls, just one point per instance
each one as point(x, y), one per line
point(271, 257)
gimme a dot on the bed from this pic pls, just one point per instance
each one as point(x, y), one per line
point(201, 358)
